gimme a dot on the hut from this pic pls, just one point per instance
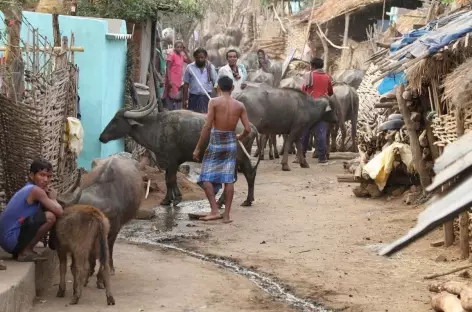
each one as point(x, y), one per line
point(433, 97)
point(330, 25)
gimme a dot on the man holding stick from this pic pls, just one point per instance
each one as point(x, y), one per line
point(199, 81)
point(219, 161)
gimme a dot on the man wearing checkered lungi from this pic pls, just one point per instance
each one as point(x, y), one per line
point(219, 160)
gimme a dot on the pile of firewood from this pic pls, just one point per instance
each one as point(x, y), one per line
point(451, 297)
point(373, 111)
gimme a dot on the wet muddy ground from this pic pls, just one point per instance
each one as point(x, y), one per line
point(305, 242)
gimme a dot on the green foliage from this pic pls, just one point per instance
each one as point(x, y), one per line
point(447, 2)
point(138, 10)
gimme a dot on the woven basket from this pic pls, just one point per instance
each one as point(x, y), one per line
point(444, 127)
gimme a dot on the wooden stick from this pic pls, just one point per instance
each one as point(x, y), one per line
point(147, 189)
point(329, 41)
point(280, 21)
point(347, 178)
point(56, 49)
point(448, 272)
point(385, 105)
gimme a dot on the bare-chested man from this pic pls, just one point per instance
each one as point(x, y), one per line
point(219, 161)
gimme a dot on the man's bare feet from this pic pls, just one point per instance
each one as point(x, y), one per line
point(211, 217)
point(227, 220)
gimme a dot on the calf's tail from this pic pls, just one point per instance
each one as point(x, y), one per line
point(102, 237)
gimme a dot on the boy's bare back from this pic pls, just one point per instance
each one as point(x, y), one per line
point(226, 113)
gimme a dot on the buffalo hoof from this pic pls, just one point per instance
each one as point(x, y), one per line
point(74, 300)
point(177, 201)
point(61, 293)
point(271, 157)
point(261, 157)
point(112, 271)
point(91, 272)
point(304, 165)
point(277, 156)
point(246, 203)
point(285, 167)
point(315, 155)
point(100, 284)
point(166, 202)
point(110, 300)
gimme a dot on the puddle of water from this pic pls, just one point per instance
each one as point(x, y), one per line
point(169, 223)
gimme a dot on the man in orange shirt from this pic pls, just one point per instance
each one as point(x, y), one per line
point(318, 84)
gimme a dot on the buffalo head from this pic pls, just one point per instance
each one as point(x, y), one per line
point(330, 114)
point(124, 120)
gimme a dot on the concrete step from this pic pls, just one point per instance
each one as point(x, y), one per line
point(21, 282)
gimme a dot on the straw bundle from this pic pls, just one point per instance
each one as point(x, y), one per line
point(458, 86)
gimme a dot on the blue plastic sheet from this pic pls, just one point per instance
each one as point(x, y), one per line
point(389, 82)
point(428, 39)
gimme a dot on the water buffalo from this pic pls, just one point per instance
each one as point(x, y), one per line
point(114, 186)
point(285, 111)
point(347, 106)
point(172, 137)
point(260, 76)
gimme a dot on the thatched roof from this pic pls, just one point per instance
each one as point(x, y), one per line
point(421, 66)
point(331, 9)
point(406, 21)
point(458, 85)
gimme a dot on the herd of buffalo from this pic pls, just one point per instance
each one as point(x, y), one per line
point(114, 185)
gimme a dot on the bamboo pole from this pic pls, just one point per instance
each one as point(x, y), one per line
point(56, 49)
point(308, 29)
point(345, 38)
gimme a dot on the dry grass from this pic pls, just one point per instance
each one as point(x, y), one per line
point(331, 9)
point(458, 86)
point(439, 65)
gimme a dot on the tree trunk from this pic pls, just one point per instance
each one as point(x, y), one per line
point(425, 179)
point(14, 60)
point(344, 52)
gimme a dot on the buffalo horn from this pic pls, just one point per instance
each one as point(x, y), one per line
point(135, 114)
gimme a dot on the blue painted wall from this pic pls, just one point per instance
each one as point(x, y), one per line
point(101, 78)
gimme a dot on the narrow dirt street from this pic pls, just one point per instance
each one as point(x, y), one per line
point(151, 279)
point(305, 231)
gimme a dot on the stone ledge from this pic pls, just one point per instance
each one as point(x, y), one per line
point(21, 282)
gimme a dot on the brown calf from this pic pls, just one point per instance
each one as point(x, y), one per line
point(82, 230)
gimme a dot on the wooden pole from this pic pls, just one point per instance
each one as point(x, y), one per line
point(308, 29)
point(55, 30)
point(345, 38)
point(414, 139)
point(464, 217)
